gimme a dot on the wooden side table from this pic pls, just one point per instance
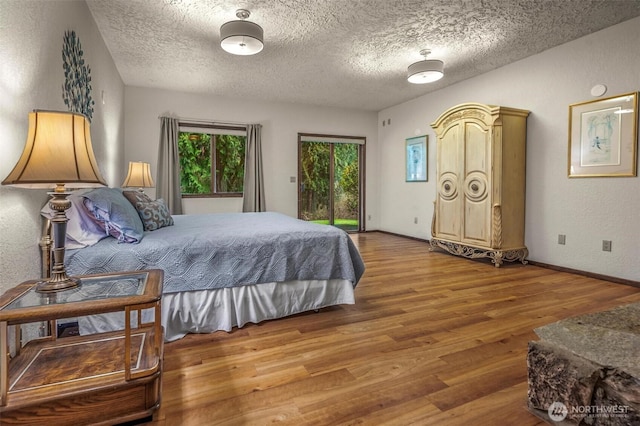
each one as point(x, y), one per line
point(102, 378)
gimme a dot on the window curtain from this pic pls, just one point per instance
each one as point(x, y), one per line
point(168, 175)
point(253, 181)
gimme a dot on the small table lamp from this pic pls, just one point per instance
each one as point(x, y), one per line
point(58, 152)
point(139, 176)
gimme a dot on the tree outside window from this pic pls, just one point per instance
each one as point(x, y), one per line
point(211, 164)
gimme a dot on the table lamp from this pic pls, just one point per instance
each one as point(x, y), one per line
point(139, 176)
point(58, 154)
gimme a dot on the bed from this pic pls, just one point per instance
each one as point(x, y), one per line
point(228, 269)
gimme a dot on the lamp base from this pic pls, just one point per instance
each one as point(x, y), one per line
point(57, 283)
point(59, 279)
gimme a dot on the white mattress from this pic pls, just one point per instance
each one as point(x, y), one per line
point(206, 311)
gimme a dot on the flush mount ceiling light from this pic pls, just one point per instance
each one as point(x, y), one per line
point(426, 71)
point(241, 37)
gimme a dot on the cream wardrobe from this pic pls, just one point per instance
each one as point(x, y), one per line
point(480, 201)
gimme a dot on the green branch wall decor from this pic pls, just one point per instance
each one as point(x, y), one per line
point(76, 90)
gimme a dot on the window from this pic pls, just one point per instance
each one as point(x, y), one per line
point(211, 162)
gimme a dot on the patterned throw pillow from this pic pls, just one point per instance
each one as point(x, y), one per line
point(154, 214)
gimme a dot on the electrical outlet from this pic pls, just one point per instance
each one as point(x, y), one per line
point(562, 239)
point(415, 220)
point(292, 179)
point(606, 245)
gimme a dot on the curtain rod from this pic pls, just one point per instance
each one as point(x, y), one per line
point(186, 120)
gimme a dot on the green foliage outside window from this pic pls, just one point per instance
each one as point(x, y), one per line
point(197, 151)
point(315, 168)
point(195, 163)
point(347, 185)
point(315, 165)
point(229, 163)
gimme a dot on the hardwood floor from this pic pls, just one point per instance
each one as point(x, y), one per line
point(432, 340)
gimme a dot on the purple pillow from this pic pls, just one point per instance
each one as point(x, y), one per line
point(115, 213)
point(83, 229)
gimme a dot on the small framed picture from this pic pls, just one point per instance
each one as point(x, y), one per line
point(603, 137)
point(416, 159)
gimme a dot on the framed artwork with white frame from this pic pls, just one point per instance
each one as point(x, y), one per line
point(416, 159)
point(603, 137)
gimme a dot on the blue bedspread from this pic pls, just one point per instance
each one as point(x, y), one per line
point(203, 252)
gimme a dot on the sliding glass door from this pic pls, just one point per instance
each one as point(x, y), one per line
point(330, 180)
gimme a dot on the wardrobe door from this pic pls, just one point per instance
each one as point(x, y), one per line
point(449, 203)
point(476, 183)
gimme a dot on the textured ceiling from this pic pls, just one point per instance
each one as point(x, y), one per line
point(347, 53)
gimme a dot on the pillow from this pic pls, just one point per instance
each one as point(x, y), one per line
point(115, 213)
point(154, 214)
point(82, 228)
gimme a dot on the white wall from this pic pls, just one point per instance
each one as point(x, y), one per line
point(281, 124)
point(587, 210)
point(31, 77)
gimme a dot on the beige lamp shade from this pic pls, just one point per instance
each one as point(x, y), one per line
point(139, 175)
point(58, 152)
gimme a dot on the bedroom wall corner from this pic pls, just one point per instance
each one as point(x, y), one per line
point(31, 77)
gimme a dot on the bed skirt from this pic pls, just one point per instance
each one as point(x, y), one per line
point(206, 311)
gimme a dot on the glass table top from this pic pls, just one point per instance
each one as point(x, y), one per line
point(92, 288)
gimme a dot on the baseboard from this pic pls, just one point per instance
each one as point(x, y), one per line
point(586, 274)
point(546, 265)
point(400, 235)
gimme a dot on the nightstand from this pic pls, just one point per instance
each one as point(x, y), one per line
point(103, 378)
